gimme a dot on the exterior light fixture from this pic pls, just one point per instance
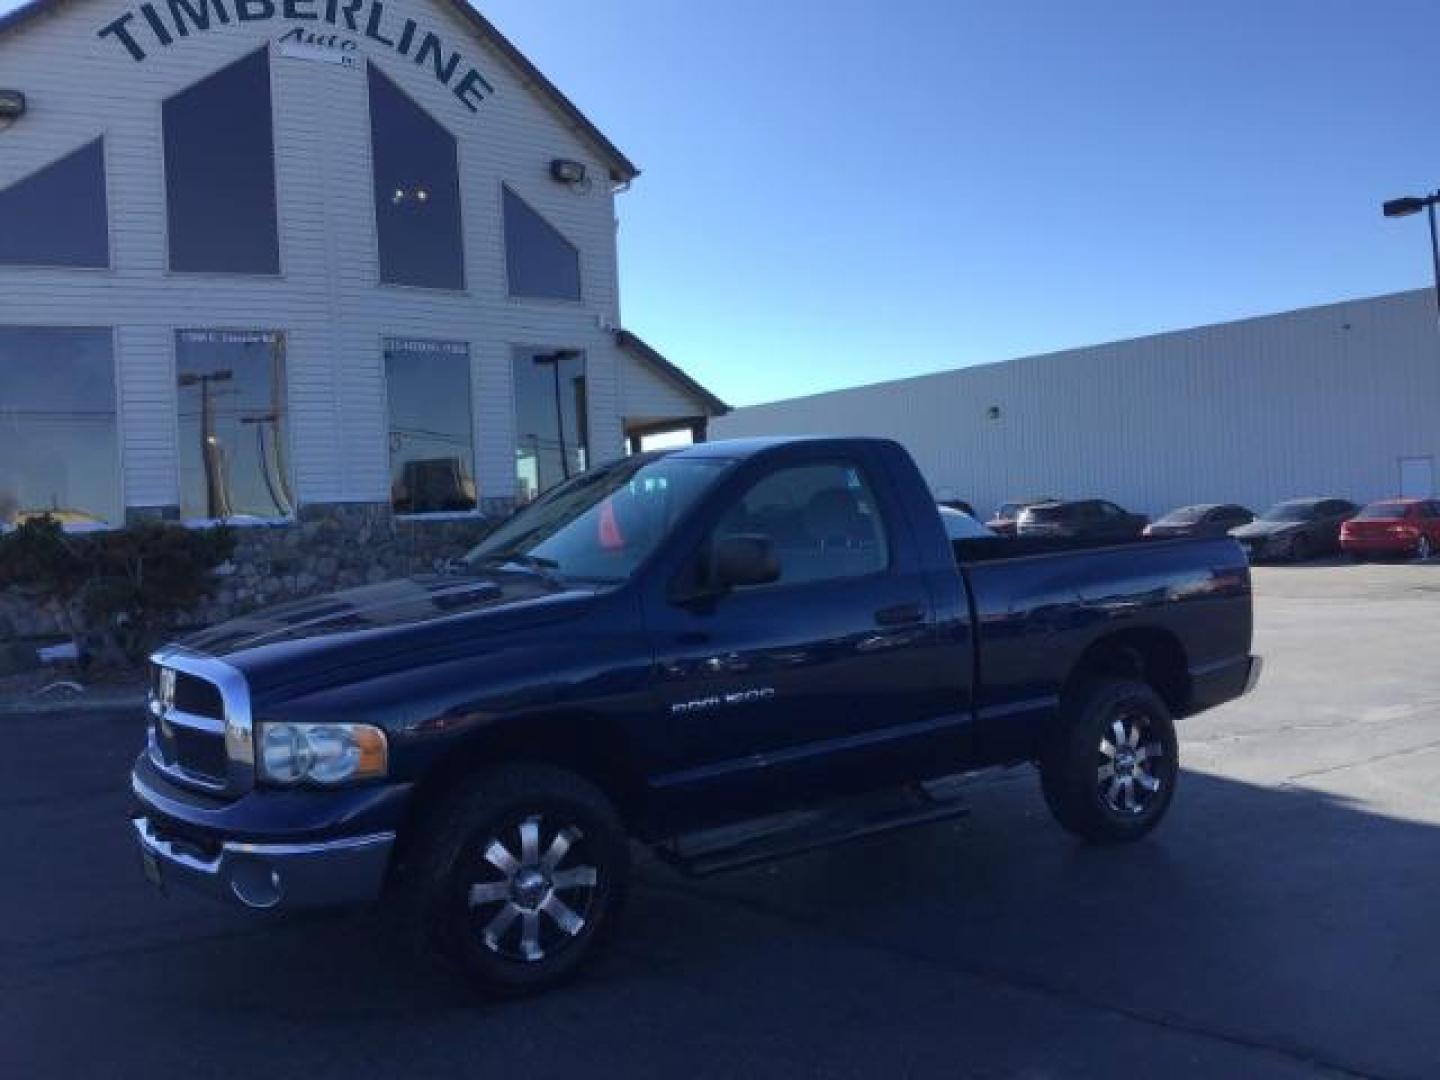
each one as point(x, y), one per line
point(12, 107)
point(565, 171)
point(1411, 204)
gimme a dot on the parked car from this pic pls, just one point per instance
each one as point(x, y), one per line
point(1007, 514)
point(1083, 519)
point(1203, 519)
point(670, 643)
point(1296, 530)
point(1403, 527)
point(961, 526)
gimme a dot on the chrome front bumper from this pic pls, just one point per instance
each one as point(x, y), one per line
point(333, 873)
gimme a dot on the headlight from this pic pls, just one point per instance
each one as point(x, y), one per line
point(322, 753)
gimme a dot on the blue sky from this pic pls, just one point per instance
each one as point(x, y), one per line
point(853, 190)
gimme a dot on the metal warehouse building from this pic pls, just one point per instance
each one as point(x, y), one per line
point(1342, 399)
point(259, 256)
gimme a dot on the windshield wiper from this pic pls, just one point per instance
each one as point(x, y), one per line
point(533, 562)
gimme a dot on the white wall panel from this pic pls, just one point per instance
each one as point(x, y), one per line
point(1321, 401)
point(328, 299)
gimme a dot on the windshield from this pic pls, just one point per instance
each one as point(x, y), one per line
point(1186, 515)
point(1385, 511)
point(1290, 511)
point(599, 527)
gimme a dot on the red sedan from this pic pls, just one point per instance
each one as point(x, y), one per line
point(1407, 527)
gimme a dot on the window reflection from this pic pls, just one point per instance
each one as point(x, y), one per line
point(552, 424)
point(417, 191)
point(220, 172)
point(540, 261)
point(432, 450)
point(58, 441)
point(57, 216)
point(231, 390)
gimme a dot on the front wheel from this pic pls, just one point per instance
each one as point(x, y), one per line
point(1300, 550)
point(1110, 768)
point(1424, 549)
point(521, 877)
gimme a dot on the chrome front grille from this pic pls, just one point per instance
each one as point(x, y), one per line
point(200, 731)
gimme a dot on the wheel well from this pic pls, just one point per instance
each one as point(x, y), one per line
point(1154, 657)
point(583, 745)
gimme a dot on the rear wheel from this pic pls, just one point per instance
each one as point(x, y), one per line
point(1300, 550)
point(521, 878)
point(1110, 768)
point(1424, 549)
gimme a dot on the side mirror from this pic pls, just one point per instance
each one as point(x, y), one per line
point(739, 561)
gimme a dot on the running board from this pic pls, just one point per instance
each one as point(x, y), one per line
point(771, 839)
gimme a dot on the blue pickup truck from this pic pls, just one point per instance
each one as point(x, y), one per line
point(729, 653)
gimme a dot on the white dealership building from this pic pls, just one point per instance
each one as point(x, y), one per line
point(264, 255)
point(1339, 400)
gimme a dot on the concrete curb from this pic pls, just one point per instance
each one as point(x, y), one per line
point(99, 701)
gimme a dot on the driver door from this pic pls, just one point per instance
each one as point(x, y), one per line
point(828, 680)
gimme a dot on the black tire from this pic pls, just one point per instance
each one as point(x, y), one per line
point(458, 888)
point(1074, 760)
point(1300, 550)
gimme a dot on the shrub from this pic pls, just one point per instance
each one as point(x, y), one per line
point(116, 591)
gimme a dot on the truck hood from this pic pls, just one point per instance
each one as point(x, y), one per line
point(376, 626)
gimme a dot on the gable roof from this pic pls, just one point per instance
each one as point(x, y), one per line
point(622, 169)
point(666, 370)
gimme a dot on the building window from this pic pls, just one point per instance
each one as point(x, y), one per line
point(220, 173)
point(432, 449)
point(57, 216)
point(231, 389)
point(59, 449)
point(417, 191)
point(552, 424)
point(540, 261)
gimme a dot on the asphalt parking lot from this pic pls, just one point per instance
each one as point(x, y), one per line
point(1281, 923)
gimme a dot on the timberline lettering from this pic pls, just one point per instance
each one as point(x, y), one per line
point(171, 19)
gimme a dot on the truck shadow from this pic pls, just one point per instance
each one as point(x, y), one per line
point(1280, 917)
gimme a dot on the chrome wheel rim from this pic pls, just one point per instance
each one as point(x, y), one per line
point(533, 889)
point(1127, 776)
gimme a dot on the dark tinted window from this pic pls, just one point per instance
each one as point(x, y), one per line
point(1054, 512)
point(59, 450)
point(231, 389)
point(552, 423)
point(1295, 510)
point(432, 454)
point(1384, 511)
point(823, 520)
point(1334, 507)
point(57, 216)
point(220, 172)
point(417, 191)
point(540, 261)
point(1189, 515)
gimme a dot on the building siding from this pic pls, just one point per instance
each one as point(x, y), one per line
point(327, 300)
point(1326, 400)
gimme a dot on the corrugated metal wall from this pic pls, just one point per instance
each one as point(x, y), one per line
point(1327, 400)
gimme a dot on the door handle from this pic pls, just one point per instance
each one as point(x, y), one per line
point(900, 615)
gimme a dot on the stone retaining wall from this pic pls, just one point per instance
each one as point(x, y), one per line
point(330, 547)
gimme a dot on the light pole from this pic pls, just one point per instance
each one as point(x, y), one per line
point(553, 361)
point(1412, 204)
point(216, 498)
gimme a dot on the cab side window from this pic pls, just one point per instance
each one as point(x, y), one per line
point(823, 519)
